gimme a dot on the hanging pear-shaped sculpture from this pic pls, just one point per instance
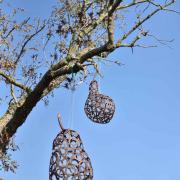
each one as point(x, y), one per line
point(98, 107)
point(69, 160)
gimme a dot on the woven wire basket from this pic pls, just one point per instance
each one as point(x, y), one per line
point(98, 107)
point(69, 161)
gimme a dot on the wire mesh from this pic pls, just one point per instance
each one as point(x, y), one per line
point(69, 160)
point(98, 107)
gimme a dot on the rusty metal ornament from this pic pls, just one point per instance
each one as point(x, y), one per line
point(69, 160)
point(98, 107)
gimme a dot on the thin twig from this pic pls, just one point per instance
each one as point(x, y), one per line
point(26, 42)
point(142, 21)
point(11, 80)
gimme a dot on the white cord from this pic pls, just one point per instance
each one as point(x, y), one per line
point(72, 101)
point(72, 108)
point(99, 78)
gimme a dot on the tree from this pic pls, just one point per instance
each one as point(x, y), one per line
point(78, 34)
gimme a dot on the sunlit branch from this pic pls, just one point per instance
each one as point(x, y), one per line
point(103, 15)
point(110, 26)
point(13, 94)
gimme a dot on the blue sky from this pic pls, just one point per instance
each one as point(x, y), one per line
point(142, 142)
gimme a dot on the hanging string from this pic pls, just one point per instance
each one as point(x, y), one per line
point(72, 108)
point(72, 101)
point(95, 75)
point(99, 77)
point(98, 73)
point(44, 51)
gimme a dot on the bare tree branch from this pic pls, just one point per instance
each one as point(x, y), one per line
point(103, 15)
point(133, 3)
point(110, 25)
point(11, 80)
point(26, 42)
point(141, 22)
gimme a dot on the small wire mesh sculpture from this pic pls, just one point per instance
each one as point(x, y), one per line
point(98, 107)
point(69, 161)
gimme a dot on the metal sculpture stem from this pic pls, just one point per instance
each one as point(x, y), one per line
point(60, 121)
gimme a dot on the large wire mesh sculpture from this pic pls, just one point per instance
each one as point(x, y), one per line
point(69, 160)
point(98, 107)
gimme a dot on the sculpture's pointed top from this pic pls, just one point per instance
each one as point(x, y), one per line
point(93, 87)
point(60, 121)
